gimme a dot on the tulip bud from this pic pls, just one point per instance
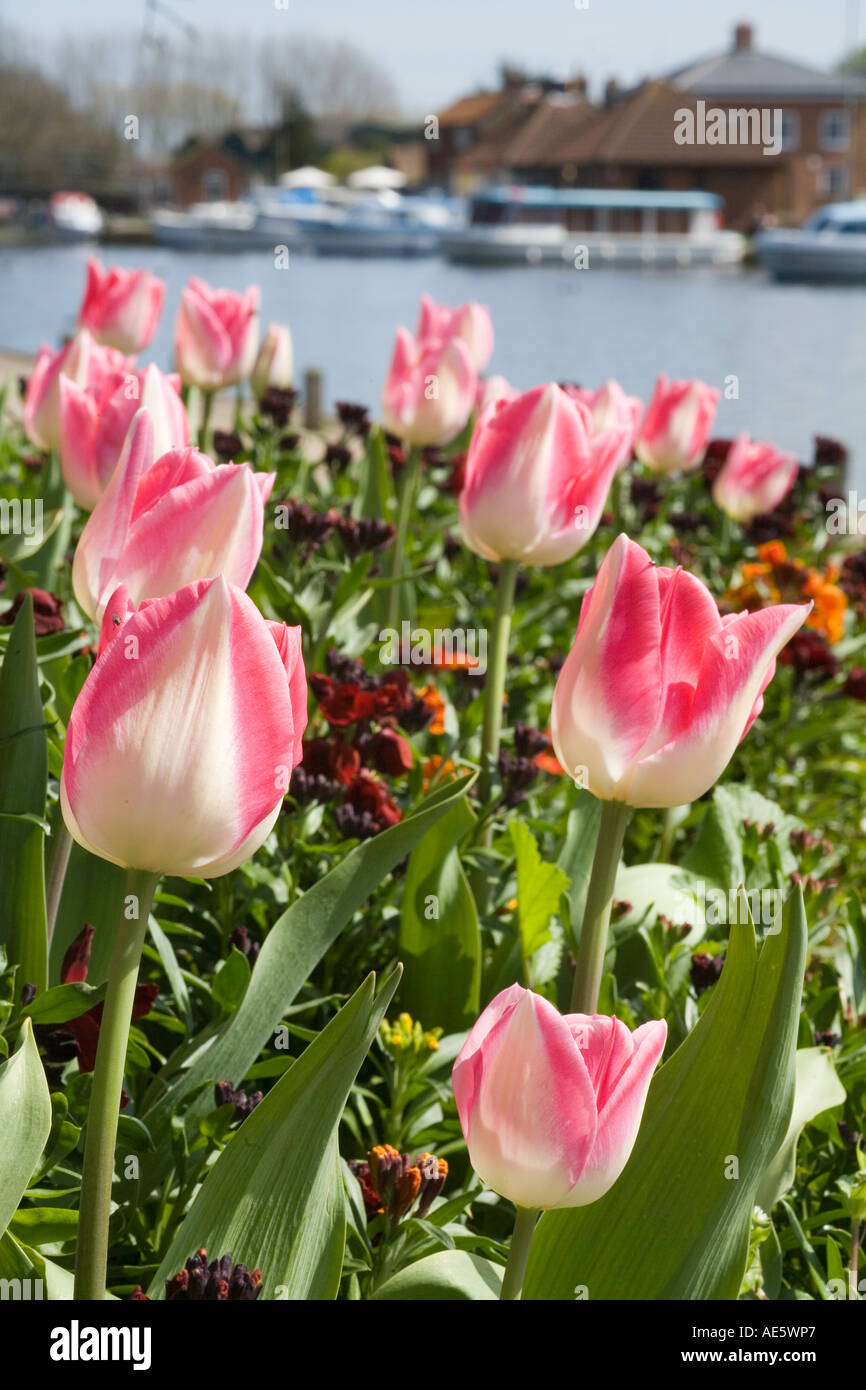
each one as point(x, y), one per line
point(550, 1104)
point(533, 490)
point(161, 525)
point(273, 365)
point(180, 746)
point(430, 390)
point(753, 479)
point(121, 308)
point(470, 323)
point(216, 335)
point(658, 689)
point(675, 429)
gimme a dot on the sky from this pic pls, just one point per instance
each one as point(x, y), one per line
point(436, 50)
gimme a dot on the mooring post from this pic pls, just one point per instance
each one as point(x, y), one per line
point(313, 398)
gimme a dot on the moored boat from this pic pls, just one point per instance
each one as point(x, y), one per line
point(588, 227)
point(75, 216)
point(830, 245)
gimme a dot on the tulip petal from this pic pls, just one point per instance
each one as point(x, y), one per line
point(607, 696)
point(736, 667)
point(624, 1083)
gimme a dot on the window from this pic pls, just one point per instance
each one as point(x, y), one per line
point(833, 132)
point(214, 184)
point(790, 130)
point(836, 180)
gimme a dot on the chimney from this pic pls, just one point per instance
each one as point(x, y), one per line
point(743, 38)
point(611, 91)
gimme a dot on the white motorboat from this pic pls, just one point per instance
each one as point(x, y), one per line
point(75, 216)
point(350, 222)
point(591, 227)
point(830, 245)
point(218, 226)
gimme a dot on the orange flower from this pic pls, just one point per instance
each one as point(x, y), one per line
point(435, 767)
point(777, 578)
point(548, 763)
point(828, 615)
point(433, 700)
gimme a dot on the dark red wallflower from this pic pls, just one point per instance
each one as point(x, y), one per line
point(393, 694)
point(368, 793)
point(346, 704)
point(47, 616)
point(388, 752)
point(221, 1280)
point(333, 758)
point(855, 683)
point(808, 651)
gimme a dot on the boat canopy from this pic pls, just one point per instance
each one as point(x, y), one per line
point(531, 195)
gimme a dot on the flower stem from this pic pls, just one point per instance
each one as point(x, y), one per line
point(95, 1204)
point(494, 686)
point(404, 512)
point(206, 403)
point(853, 1286)
point(518, 1255)
point(596, 916)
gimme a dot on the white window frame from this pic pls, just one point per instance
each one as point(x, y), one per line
point(829, 142)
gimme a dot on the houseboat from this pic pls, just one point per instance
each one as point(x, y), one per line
point(590, 227)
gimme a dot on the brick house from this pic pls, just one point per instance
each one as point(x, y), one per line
point(558, 138)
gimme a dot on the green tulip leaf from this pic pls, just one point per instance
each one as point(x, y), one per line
point(292, 949)
point(275, 1197)
point(449, 1274)
point(25, 1121)
point(27, 1275)
point(440, 940)
point(676, 1223)
point(23, 781)
point(816, 1088)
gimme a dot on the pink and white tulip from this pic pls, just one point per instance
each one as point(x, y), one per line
point(675, 429)
point(216, 335)
point(181, 743)
point(273, 366)
point(92, 432)
point(659, 689)
point(430, 389)
point(550, 1104)
point(92, 368)
point(753, 479)
point(121, 308)
point(161, 525)
point(610, 408)
point(533, 490)
point(469, 322)
point(492, 389)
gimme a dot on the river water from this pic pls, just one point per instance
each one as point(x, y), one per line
point(793, 356)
